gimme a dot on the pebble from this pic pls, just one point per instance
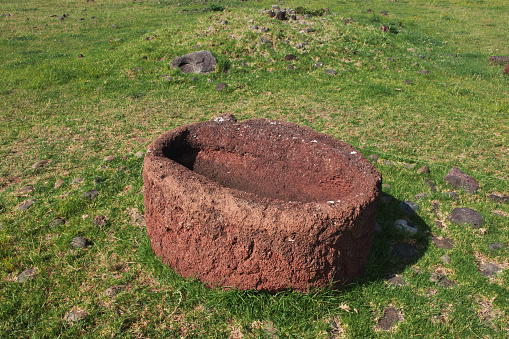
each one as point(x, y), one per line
point(27, 189)
point(431, 185)
point(40, 164)
point(92, 194)
point(291, 67)
point(26, 204)
point(263, 40)
point(139, 154)
point(457, 179)
point(420, 196)
point(451, 195)
point(423, 170)
point(403, 225)
point(221, 86)
point(76, 315)
point(100, 220)
point(109, 158)
point(57, 222)
point(290, 57)
point(464, 215)
point(59, 183)
point(408, 207)
point(445, 243)
point(114, 290)
point(331, 71)
point(79, 242)
point(423, 71)
point(27, 274)
point(78, 180)
point(264, 29)
point(489, 269)
point(404, 251)
point(390, 318)
point(495, 246)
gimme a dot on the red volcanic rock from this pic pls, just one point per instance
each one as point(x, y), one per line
point(259, 204)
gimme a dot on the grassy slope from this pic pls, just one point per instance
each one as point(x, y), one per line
point(52, 108)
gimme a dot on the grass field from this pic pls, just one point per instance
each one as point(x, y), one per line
point(83, 80)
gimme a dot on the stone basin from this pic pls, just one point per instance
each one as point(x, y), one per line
point(259, 204)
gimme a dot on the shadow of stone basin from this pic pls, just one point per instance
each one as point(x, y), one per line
point(259, 204)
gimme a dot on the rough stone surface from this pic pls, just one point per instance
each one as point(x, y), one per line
point(76, 315)
point(24, 190)
point(464, 215)
point(109, 158)
point(40, 164)
point(78, 180)
point(91, 194)
point(499, 60)
point(260, 204)
point(221, 86)
point(495, 246)
point(445, 243)
point(457, 179)
point(499, 198)
point(408, 207)
point(403, 225)
point(59, 183)
point(290, 57)
point(79, 242)
point(197, 62)
point(331, 71)
point(26, 204)
point(489, 269)
point(26, 274)
point(423, 170)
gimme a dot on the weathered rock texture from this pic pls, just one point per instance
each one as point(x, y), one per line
point(197, 62)
point(457, 179)
point(259, 204)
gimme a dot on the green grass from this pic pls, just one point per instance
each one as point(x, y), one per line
point(75, 111)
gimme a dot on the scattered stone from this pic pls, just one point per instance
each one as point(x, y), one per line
point(92, 194)
point(114, 290)
point(464, 215)
point(445, 282)
point(445, 259)
point(489, 269)
point(291, 67)
point(281, 16)
point(271, 13)
point(423, 170)
point(80, 56)
point(197, 62)
point(331, 71)
point(263, 40)
point(378, 227)
point(290, 57)
point(451, 195)
point(76, 315)
point(78, 180)
point(386, 186)
point(40, 164)
point(113, 26)
point(499, 60)
point(457, 179)
point(439, 224)
point(391, 318)
point(100, 220)
point(318, 64)
point(57, 222)
point(404, 251)
point(26, 204)
point(79, 242)
point(139, 154)
point(264, 29)
point(431, 185)
point(403, 225)
point(27, 274)
point(225, 118)
point(499, 198)
point(168, 79)
point(396, 280)
point(294, 17)
point(387, 163)
point(221, 86)
point(384, 28)
point(109, 158)
point(445, 243)
point(495, 246)
point(423, 71)
point(27, 189)
point(299, 45)
point(373, 157)
point(408, 207)
point(500, 213)
point(386, 199)
point(254, 27)
point(420, 196)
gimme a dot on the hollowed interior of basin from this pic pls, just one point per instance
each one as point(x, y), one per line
point(287, 177)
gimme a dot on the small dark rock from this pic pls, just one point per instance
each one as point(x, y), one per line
point(26, 204)
point(111, 48)
point(144, 57)
point(264, 29)
point(92, 194)
point(57, 222)
point(506, 70)
point(221, 86)
point(457, 179)
point(100, 220)
point(79, 242)
point(271, 13)
point(423, 170)
point(404, 251)
point(331, 71)
point(463, 215)
point(384, 28)
point(80, 56)
point(390, 59)
point(408, 207)
point(294, 17)
point(26, 275)
point(290, 57)
point(281, 15)
point(263, 40)
point(390, 319)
